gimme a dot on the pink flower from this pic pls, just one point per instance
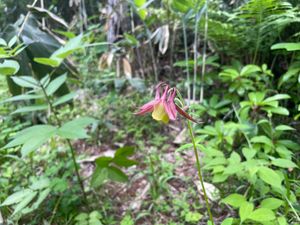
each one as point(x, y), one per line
point(163, 107)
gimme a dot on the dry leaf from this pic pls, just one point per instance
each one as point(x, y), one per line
point(127, 68)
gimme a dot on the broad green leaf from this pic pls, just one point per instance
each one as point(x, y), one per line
point(262, 215)
point(227, 221)
point(40, 184)
point(284, 128)
point(64, 99)
point(284, 163)
point(277, 110)
point(269, 176)
point(249, 153)
point(75, 128)
point(42, 196)
point(125, 151)
point(249, 69)
point(235, 200)
point(99, 176)
point(123, 161)
point(282, 220)
point(16, 197)
point(25, 81)
point(192, 217)
point(271, 203)
point(9, 67)
point(262, 139)
point(256, 97)
point(32, 138)
point(286, 46)
point(55, 84)
point(70, 47)
point(277, 97)
point(30, 109)
point(48, 61)
point(116, 174)
point(21, 205)
point(103, 161)
point(245, 210)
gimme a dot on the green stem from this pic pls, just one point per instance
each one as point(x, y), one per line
point(52, 109)
point(199, 172)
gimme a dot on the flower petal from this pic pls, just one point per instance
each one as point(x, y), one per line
point(159, 113)
point(170, 106)
point(148, 107)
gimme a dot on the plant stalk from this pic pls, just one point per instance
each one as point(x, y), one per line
point(52, 109)
point(199, 172)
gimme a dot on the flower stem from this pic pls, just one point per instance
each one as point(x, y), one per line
point(199, 172)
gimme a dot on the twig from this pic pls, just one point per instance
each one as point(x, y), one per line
point(25, 19)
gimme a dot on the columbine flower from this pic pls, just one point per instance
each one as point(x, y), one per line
point(163, 107)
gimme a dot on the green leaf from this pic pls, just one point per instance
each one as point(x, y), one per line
point(125, 151)
point(193, 217)
point(235, 200)
point(245, 210)
point(40, 184)
point(76, 128)
point(2, 42)
point(282, 221)
point(277, 110)
point(286, 46)
point(103, 161)
point(249, 69)
point(271, 203)
point(227, 221)
point(9, 67)
point(116, 174)
point(64, 99)
point(30, 109)
point(22, 98)
point(99, 176)
point(249, 153)
point(277, 97)
point(32, 138)
point(71, 46)
point(25, 81)
point(48, 61)
point(12, 41)
point(284, 128)
point(16, 197)
point(262, 215)
point(262, 139)
point(20, 206)
point(284, 163)
point(269, 176)
point(42, 196)
point(56, 84)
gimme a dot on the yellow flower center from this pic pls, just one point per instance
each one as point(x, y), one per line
point(159, 113)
